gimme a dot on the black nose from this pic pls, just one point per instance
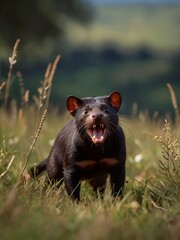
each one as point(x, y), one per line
point(97, 116)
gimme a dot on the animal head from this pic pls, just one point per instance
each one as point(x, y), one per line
point(96, 118)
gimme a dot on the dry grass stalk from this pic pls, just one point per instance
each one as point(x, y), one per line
point(48, 71)
point(21, 87)
point(26, 96)
point(26, 99)
point(32, 145)
point(24, 105)
point(45, 89)
point(170, 164)
point(8, 167)
point(1, 86)
point(12, 61)
point(154, 204)
point(50, 78)
point(174, 102)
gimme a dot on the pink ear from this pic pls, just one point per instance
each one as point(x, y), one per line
point(115, 99)
point(73, 103)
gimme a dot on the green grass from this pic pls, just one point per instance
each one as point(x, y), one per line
point(32, 211)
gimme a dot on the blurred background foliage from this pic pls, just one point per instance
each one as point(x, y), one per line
point(130, 46)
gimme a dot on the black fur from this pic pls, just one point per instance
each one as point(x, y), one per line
point(90, 146)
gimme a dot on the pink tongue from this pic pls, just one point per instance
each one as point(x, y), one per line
point(97, 133)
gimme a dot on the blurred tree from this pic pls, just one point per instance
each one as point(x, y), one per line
point(34, 21)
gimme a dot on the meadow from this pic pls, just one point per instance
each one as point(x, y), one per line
point(150, 208)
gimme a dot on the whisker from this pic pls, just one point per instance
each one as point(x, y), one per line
point(68, 131)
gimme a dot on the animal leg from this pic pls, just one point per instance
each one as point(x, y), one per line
point(72, 184)
point(117, 177)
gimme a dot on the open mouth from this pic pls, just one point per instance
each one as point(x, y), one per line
point(97, 133)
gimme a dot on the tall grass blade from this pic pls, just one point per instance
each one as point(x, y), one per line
point(12, 61)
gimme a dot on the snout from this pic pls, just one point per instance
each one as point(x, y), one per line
point(97, 116)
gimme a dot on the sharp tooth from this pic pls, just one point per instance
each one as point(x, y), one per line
point(94, 126)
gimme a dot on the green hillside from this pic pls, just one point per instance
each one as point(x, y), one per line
point(155, 26)
point(134, 49)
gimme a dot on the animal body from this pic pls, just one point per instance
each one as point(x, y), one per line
point(89, 147)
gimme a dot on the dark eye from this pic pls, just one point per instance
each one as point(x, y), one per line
point(107, 110)
point(85, 112)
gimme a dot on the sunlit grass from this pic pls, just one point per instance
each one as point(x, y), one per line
point(143, 209)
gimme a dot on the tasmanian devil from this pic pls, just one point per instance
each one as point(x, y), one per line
point(89, 147)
